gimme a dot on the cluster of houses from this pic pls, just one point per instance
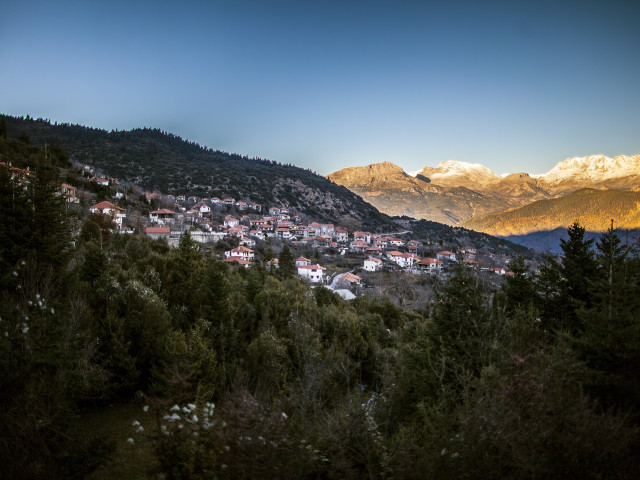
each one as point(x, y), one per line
point(381, 251)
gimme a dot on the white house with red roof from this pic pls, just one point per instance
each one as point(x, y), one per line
point(431, 265)
point(403, 260)
point(362, 236)
point(359, 246)
point(342, 236)
point(230, 221)
point(349, 278)
point(242, 252)
point(162, 216)
point(314, 273)
point(302, 261)
point(446, 255)
point(69, 193)
point(109, 209)
point(202, 207)
point(158, 232)
point(372, 264)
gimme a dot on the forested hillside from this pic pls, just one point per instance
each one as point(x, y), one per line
point(161, 161)
point(249, 373)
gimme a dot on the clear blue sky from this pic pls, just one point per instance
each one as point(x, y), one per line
point(516, 86)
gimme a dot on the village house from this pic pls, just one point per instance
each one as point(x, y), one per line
point(100, 181)
point(109, 209)
point(158, 232)
point(323, 228)
point(203, 207)
point(348, 279)
point(283, 232)
point(248, 242)
point(321, 241)
point(359, 246)
point(239, 261)
point(431, 265)
point(69, 193)
point(377, 251)
point(446, 255)
point(230, 221)
point(342, 236)
point(403, 260)
point(362, 236)
point(302, 261)
point(242, 252)
point(372, 264)
point(314, 273)
point(396, 242)
point(162, 216)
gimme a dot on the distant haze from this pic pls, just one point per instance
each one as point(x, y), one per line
point(514, 86)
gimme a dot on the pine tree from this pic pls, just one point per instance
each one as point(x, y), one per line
point(519, 289)
point(286, 263)
point(3, 127)
point(577, 269)
point(610, 343)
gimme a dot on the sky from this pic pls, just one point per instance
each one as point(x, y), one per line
point(516, 86)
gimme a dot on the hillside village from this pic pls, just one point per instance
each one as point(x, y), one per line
point(246, 233)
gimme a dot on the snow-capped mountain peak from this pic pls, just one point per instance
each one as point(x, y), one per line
point(454, 168)
point(594, 167)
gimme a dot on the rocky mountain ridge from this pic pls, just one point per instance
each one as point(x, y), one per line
point(455, 192)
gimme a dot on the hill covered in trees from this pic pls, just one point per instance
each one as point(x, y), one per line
point(161, 161)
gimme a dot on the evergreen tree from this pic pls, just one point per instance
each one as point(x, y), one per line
point(3, 127)
point(610, 343)
point(577, 269)
point(519, 289)
point(286, 263)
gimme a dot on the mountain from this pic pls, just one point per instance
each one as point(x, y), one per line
point(594, 171)
point(387, 187)
point(157, 160)
point(593, 208)
point(455, 192)
point(458, 174)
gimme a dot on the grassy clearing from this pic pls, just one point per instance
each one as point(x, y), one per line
point(115, 422)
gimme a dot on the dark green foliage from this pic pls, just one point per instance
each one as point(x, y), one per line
point(286, 263)
point(519, 289)
point(610, 343)
point(578, 268)
point(308, 385)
